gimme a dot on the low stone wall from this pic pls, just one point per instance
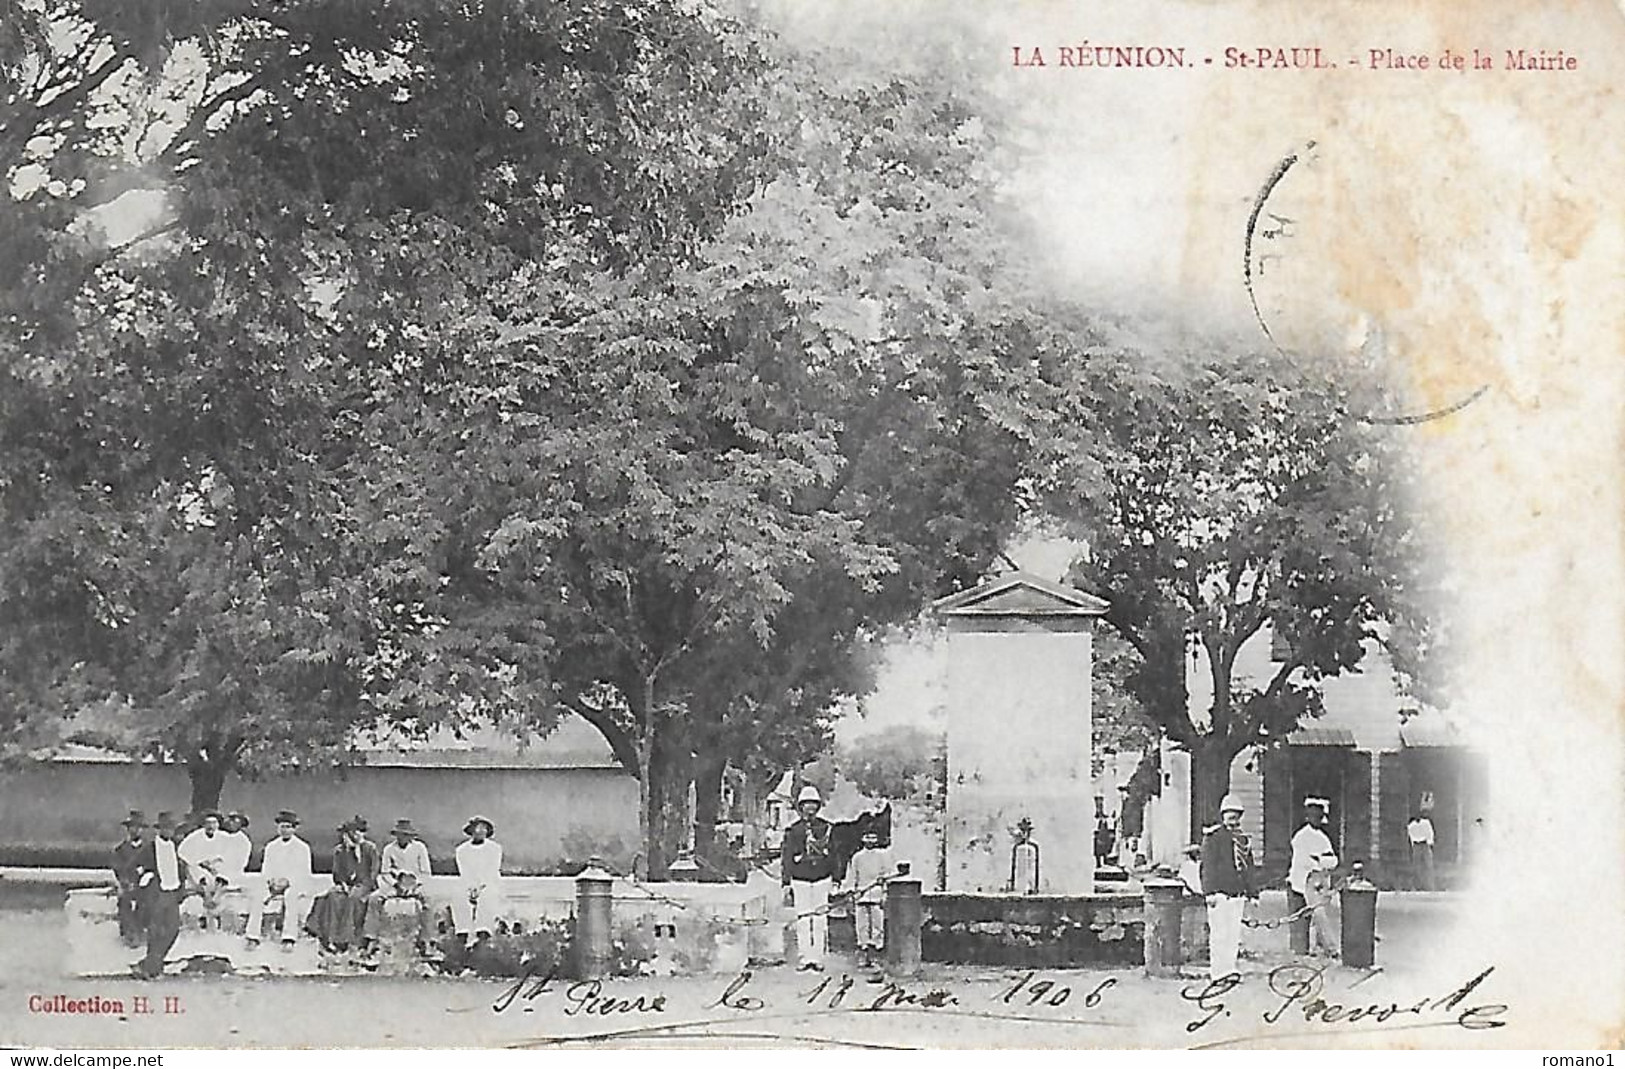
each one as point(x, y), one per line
point(669, 928)
point(1193, 929)
point(1036, 931)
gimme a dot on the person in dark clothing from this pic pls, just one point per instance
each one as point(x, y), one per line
point(162, 882)
point(1105, 842)
point(127, 871)
point(807, 867)
point(337, 917)
point(1228, 880)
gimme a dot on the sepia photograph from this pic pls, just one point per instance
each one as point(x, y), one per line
point(806, 524)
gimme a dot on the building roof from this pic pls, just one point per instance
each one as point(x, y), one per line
point(1020, 594)
point(1430, 731)
point(1312, 735)
point(572, 744)
point(1363, 707)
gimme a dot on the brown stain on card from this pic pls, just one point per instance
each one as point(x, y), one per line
point(1472, 222)
point(1463, 230)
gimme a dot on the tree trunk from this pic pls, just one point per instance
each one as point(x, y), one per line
point(670, 773)
point(1211, 757)
point(208, 778)
point(707, 807)
point(657, 858)
point(641, 702)
point(1213, 753)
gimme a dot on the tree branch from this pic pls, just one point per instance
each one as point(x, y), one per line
point(198, 121)
point(620, 743)
point(57, 108)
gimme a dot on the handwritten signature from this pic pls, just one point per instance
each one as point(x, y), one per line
point(1301, 988)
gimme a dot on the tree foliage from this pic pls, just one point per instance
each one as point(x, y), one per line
point(234, 527)
point(894, 763)
point(489, 361)
point(1243, 495)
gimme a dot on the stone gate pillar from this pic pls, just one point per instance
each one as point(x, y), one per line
point(1018, 704)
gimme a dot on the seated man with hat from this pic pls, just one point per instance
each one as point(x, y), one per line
point(475, 910)
point(286, 874)
point(239, 847)
point(401, 885)
point(205, 851)
point(336, 917)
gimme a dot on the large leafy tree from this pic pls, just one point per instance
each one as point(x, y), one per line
point(509, 358)
point(812, 426)
point(212, 537)
point(1246, 492)
point(78, 494)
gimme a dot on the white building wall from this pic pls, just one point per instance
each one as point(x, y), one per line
point(1365, 701)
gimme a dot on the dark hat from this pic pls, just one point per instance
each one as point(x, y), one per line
point(239, 816)
point(287, 816)
point(136, 819)
point(405, 825)
point(355, 823)
point(207, 813)
point(490, 828)
point(164, 819)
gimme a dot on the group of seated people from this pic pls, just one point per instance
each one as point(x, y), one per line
point(163, 862)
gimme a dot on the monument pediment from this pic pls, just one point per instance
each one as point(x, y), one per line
point(1020, 594)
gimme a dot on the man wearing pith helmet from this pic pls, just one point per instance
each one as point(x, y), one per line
point(807, 866)
point(1309, 879)
point(1228, 880)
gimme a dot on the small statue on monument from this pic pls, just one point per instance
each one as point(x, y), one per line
point(1024, 860)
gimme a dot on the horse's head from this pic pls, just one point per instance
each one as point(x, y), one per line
point(846, 837)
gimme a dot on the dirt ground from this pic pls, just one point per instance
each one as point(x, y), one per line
point(776, 1006)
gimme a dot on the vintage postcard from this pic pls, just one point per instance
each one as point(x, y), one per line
point(808, 523)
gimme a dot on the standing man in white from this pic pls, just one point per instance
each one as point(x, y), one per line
point(1420, 833)
point(474, 912)
point(867, 874)
point(807, 867)
point(1309, 876)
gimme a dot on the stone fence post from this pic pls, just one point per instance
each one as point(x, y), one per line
point(1164, 918)
point(905, 913)
point(594, 949)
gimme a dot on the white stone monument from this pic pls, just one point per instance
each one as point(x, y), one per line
point(1019, 669)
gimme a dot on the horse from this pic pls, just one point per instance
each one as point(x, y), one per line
point(846, 836)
